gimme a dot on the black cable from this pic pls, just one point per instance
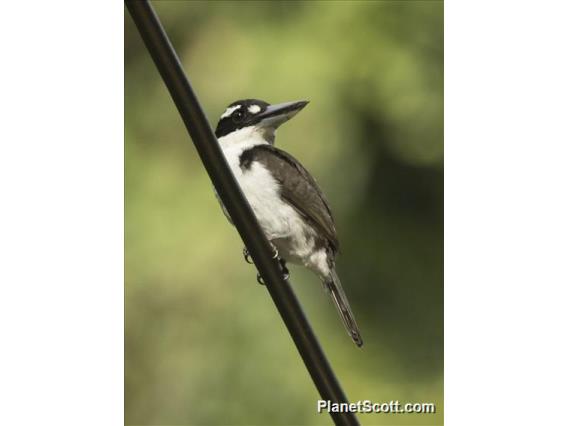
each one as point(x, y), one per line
point(169, 66)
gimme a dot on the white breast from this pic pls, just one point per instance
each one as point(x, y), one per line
point(261, 190)
point(280, 222)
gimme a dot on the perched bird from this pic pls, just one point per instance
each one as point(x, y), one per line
point(289, 205)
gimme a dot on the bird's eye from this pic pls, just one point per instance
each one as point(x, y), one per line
point(238, 116)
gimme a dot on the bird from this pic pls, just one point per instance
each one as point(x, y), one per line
point(290, 207)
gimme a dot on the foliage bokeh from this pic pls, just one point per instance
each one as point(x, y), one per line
point(204, 343)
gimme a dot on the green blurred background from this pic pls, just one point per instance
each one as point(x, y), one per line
point(204, 343)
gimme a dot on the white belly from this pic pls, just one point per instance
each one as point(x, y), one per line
point(280, 222)
point(277, 218)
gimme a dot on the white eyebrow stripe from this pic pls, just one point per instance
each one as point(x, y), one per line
point(254, 109)
point(230, 110)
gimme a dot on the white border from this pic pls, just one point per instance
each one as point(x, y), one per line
point(506, 239)
point(61, 213)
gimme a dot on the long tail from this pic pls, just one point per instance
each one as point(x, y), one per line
point(342, 304)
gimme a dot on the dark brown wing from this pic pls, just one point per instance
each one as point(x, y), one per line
point(297, 187)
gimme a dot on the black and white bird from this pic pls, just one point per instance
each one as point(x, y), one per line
point(289, 205)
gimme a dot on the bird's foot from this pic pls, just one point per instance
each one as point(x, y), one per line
point(285, 271)
point(247, 257)
point(274, 251)
point(282, 262)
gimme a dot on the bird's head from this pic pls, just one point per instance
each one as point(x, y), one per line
point(253, 115)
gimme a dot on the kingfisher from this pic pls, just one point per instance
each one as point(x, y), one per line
point(288, 203)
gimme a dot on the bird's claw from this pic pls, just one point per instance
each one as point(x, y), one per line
point(285, 271)
point(247, 257)
point(274, 251)
point(259, 279)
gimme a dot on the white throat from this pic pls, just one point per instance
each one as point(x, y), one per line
point(247, 137)
point(238, 141)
